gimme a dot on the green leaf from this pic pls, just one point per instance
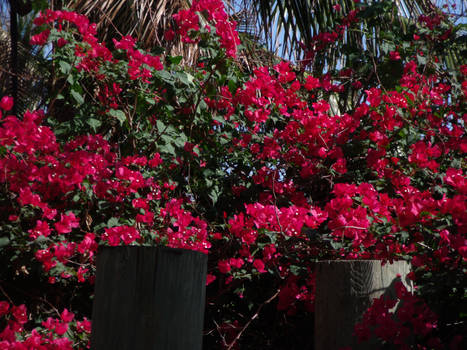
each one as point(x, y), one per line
point(94, 123)
point(185, 78)
point(112, 222)
point(165, 76)
point(160, 126)
point(40, 239)
point(214, 194)
point(180, 140)
point(232, 85)
point(65, 67)
point(77, 96)
point(167, 148)
point(336, 245)
point(272, 236)
point(294, 269)
point(70, 79)
point(386, 47)
point(202, 106)
point(421, 60)
point(38, 5)
point(119, 115)
point(175, 59)
point(4, 241)
point(150, 100)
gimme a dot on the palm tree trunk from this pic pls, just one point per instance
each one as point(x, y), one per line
point(17, 8)
point(14, 54)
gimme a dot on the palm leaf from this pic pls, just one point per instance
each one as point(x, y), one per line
point(146, 20)
point(29, 86)
point(292, 22)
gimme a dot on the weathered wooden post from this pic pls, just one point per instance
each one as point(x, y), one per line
point(148, 298)
point(344, 291)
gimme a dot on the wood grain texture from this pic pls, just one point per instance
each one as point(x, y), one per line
point(148, 298)
point(344, 291)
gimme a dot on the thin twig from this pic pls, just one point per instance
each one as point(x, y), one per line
point(6, 295)
point(251, 319)
point(44, 300)
point(220, 334)
point(110, 20)
point(275, 203)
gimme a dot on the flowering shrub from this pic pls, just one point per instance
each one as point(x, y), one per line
point(259, 170)
point(54, 333)
point(412, 318)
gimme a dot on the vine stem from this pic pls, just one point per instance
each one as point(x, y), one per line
point(275, 202)
point(6, 295)
point(255, 316)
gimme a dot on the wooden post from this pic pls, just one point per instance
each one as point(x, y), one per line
point(344, 291)
point(149, 298)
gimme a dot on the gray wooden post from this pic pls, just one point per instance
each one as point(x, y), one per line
point(148, 298)
point(344, 291)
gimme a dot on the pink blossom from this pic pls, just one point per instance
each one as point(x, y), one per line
point(224, 266)
point(394, 55)
point(67, 223)
point(259, 265)
point(6, 103)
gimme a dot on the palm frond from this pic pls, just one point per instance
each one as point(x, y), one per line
point(293, 23)
point(31, 88)
point(146, 20)
point(28, 70)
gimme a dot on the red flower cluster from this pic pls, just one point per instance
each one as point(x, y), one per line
point(45, 176)
point(188, 24)
point(48, 337)
point(411, 318)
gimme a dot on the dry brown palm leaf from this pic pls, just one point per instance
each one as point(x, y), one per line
point(146, 20)
point(30, 87)
point(4, 61)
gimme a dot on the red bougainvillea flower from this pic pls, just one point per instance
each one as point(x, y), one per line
point(394, 55)
point(6, 103)
point(67, 223)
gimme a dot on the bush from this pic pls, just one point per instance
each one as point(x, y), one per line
point(267, 171)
